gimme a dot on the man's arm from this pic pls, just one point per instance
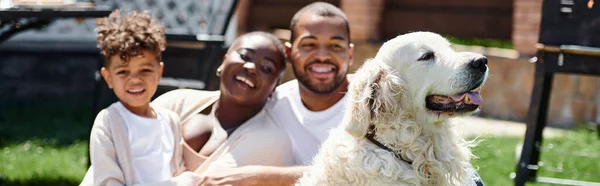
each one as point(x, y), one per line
point(254, 175)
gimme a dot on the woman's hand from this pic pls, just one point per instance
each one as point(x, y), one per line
point(248, 175)
point(253, 175)
point(187, 178)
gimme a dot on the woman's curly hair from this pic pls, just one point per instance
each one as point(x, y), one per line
point(128, 35)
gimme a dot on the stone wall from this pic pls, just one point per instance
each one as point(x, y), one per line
point(507, 94)
point(50, 78)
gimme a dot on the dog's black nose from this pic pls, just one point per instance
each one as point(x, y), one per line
point(479, 63)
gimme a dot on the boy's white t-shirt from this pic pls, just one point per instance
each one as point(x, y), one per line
point(152, 145)
point(307, 129)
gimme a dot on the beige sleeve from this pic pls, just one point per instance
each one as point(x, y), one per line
point(180, 166)
point(105, 169)
point(177, 162)
point(186, 102)
point(170, 100)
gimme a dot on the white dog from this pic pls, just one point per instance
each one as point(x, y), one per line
point(396, 128)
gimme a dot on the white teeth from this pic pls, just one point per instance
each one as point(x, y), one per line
point(322, 69)
point(243, 79)
point(135, 90)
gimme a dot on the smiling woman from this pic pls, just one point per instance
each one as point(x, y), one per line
point(229, 128)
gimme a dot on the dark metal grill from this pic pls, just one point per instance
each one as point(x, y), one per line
point(570, 22)
point(569, 42)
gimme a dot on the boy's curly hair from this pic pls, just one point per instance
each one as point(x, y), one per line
point(128, 35)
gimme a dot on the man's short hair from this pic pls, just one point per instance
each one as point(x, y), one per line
point(321, 9)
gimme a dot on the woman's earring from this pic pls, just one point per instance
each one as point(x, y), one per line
point(218, 72)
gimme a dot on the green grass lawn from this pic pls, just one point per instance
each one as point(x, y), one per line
point(497, 158)
point(43, 145)
point(496, 43)
point(50, 148)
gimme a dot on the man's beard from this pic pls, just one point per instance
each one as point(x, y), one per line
point(317, 87)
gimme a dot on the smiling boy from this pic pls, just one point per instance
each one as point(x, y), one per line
point(131, 141)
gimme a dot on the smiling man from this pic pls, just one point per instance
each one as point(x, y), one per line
point(320, 53)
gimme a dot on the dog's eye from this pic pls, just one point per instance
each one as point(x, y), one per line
point(427, 56)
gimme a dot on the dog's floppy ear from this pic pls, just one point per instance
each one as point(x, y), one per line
point(373, 97)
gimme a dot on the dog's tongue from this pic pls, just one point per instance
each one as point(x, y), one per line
point(472, 98)
point(475, 98)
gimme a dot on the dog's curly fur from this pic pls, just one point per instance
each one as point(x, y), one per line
point(396, 83)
